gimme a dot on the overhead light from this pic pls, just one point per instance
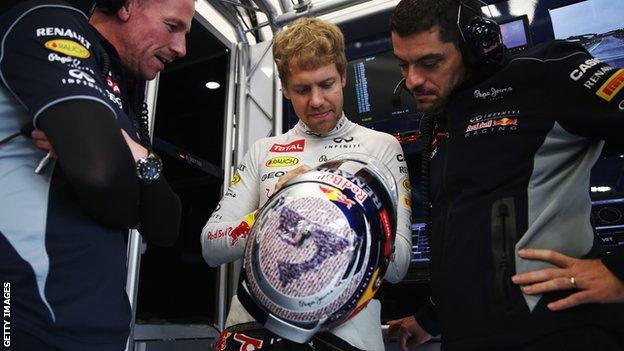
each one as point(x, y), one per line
point(213, 85)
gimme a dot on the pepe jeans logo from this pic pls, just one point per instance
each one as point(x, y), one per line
point(493, 93)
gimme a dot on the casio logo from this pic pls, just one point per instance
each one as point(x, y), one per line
point(583, 67)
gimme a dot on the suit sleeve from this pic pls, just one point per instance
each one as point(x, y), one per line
point(225, 234)
point(588, 97)
point(587, 93)
point(392, 156)
point(49, 63)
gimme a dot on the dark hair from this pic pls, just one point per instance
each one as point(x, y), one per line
point(414, 16)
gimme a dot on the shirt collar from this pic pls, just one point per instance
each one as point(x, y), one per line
point(342, 125)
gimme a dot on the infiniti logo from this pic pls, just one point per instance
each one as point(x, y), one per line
point(621, 105)
point(494, 115)
point(340, 140)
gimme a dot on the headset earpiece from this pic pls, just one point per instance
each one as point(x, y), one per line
point(481, 39)
point(110, 6)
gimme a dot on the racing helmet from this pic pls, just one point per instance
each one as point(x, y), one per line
point(320, 247)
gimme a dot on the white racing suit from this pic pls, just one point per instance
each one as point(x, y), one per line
point(224, 236)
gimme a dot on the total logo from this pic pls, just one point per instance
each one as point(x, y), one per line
point(295, 146)
point(282, 161)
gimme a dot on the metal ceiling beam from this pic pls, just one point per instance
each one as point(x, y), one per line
point(314, 10)
point(229, 16)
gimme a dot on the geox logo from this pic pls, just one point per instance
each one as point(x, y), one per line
point(295, 146)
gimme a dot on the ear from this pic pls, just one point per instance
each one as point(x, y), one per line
point(285, 92)
point(343, 78)
point(126, 10)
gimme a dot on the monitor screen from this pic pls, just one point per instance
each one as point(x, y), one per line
point(374, 97)
point(596, 24)
point(374, 91)
point(516, 33)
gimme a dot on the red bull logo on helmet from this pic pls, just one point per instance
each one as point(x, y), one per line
point(336, 195)
point(343, 183)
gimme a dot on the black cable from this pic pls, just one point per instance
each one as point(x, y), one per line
point(141, 119)
point(426, 137)
point(141, 122)
point(9, 138)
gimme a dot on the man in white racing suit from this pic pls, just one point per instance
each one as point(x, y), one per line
point(312, 67)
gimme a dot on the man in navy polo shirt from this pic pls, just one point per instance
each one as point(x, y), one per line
point(63, 219)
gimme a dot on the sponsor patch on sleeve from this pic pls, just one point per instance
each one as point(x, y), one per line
point(612, 86)
point(68, 47)
point(235, 179)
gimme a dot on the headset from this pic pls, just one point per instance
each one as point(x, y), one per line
point(109, 6)
point(88, 6)
point(481, 39)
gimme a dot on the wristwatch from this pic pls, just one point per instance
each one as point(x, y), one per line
point(149, 168)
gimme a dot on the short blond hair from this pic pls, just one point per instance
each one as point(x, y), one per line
point(311, 43)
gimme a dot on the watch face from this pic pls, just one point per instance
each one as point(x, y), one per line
point(149, 168)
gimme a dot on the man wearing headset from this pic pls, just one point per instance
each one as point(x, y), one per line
point(311, 62)
point(63, 221)
point(510, 142)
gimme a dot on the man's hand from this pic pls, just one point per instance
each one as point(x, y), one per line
point(408, 332)
point(138, 151)
point(288, 176)
point(593, 281)
point(42, 142)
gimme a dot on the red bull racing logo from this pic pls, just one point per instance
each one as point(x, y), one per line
point(343, 183)
point(492, 126)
